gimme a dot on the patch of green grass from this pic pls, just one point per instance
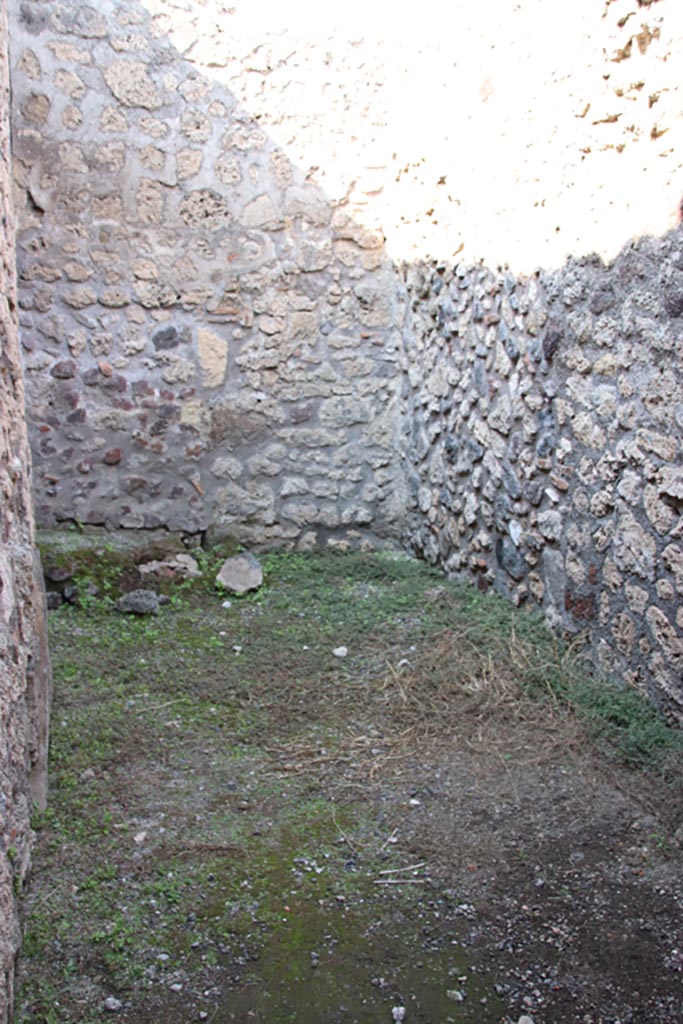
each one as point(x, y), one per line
point(627, 721)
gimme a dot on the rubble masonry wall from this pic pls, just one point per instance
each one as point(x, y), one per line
point(24, 666)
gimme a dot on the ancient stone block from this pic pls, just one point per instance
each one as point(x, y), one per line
point(80, 298)
point(659, 512)
point(671, 483)
point(510, 559)
point(634, 549)
point(550, 524)
point(228, 467)
point(188, 163)
point(205, 209)
point(139, 602)
point(81, 20)
point(666, 636)
point(36, 108)
point(312, 256)
point(228, 170)
point(195, 125)
point(663, 446)
point(70, 83)
point(131, 84)
point(240, 574)
point(261, 213)
point(343, 412)
point(672, 557)
point(150, 201)
point(145, 269)
point(302, 513)
point(213, 357)
point(500, 416)
point(30, 65)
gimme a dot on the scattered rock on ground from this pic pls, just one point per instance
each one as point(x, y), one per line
point(139, 602)
point(184, 567)
point(340, 652)
point(240, 574)
point(76, 595)
point(54, 600)
point(59, 573)
point(112, 1004)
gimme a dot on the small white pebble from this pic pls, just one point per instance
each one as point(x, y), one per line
point(237, 648)
point(227, 604)
point(112, 1004)
point(414, 802)
point(398, 1013)
point(341, 652)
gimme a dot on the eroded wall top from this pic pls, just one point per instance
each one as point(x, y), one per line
point(509, 132)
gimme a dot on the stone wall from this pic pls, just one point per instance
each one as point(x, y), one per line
point(212, 199)
point(24, 668)
point(544, 418)
point(209, 340)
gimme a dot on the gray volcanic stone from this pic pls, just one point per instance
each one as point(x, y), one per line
point(509, 558)
point(59, 573)
point(603, 298)
point(673, 298)
point(76, 595)
point(139, 602)
point(166, 338)
point(240, 574)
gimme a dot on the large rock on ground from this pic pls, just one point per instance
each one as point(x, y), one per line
point(139, 602)
point(240, 574)
point(182, 566)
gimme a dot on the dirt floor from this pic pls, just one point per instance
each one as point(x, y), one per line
point(360, 794)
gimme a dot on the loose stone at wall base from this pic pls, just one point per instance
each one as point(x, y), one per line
point(139, 602)
point(240, 574)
